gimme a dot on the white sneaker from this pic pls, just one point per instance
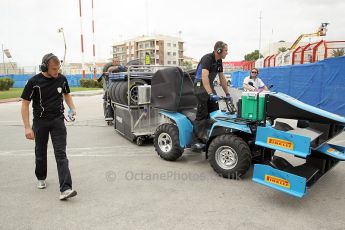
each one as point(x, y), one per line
point(41, 184)
point(67, 194)
point(109, 119)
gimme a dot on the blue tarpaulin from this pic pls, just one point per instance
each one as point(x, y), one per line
point(320, 84)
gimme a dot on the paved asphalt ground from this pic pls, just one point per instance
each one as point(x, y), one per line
point(123, 186)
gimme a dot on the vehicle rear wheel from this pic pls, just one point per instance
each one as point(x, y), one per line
point(167, 143)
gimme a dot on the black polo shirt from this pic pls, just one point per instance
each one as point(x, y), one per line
point(47, 95)
point(210, 63)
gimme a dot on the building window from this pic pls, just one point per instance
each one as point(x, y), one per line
point(169, 44)
point(140, 46)
point(174, 54)
point(174, 45)
point(169, 53)
point(169, 62)
point(174, 62)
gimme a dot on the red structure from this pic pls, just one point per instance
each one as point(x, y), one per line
point(315, 48)
point(238, 65)
point(267, 61)
point(303, 51)
point(294, 55)
point(248, 65)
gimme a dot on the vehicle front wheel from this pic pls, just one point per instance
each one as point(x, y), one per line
point(229, 156)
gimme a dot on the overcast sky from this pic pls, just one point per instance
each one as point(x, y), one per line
point(29, 27)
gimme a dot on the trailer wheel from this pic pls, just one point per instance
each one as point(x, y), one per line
point(229, 156)
point(166, 142)
point(140, 141)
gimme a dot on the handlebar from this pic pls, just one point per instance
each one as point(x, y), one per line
point(229, 104)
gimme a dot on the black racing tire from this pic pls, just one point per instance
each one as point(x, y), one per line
point(229, 156)
point(122, 91)
point(134, 90)
point(116, 90)
point(166, 142)
point(113, 91)
point(110, 91)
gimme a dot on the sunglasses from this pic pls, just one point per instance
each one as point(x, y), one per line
point(254, 72)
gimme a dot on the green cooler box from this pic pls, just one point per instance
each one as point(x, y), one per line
point(253, 105)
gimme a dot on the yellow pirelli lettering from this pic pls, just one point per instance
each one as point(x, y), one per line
point(277, 181)
point(280, 143)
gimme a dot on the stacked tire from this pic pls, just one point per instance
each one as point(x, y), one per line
point(119, 93)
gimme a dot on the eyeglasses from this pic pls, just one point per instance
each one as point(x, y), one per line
point(254, 72)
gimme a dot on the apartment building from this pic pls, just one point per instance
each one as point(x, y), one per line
point(163, 50)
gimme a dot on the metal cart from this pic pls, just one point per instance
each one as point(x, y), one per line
point(130, 94)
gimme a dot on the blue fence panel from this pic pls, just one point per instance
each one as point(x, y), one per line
point(333, 85)
point(20, 80)
point(276, 77)
point(237, 78)
point(305, 83)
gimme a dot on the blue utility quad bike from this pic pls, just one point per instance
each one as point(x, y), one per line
point(251, 136)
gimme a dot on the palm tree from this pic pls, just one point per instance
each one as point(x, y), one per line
point(338, 52)
point(282, 49)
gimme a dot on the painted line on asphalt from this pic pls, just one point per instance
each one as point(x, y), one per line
point(71, 150)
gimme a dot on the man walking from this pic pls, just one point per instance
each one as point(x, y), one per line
point(47, 90)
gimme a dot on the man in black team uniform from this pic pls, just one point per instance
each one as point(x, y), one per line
point(47, 91)
point(209, 66)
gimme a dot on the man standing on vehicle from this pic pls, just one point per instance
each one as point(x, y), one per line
point(47, 91)
point(209, 66)
point(112, 67)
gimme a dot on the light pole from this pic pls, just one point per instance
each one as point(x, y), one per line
point(260, 18)
point(64, 41)
point(3, 58)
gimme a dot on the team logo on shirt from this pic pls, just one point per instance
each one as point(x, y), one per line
point(59, 89)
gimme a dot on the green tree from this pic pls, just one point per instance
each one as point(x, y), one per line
point(282, 49)
point(187, 65)
point(253, 56)
point(338, 52)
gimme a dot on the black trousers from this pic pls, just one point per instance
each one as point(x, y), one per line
point(108, 109)
point(202, 121)
point(58, 133)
